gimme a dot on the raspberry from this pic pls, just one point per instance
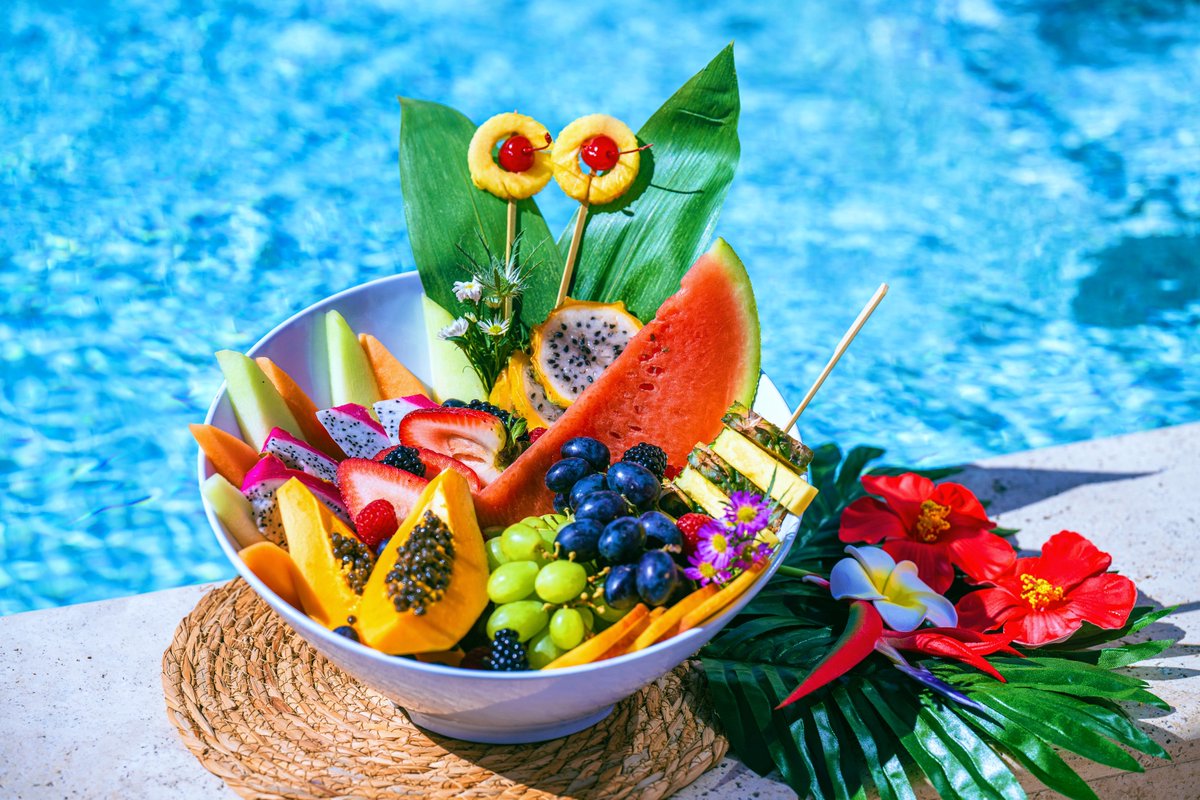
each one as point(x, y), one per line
point(689, 525)
point(536, 434)
point(376, 522)
point(671, 472)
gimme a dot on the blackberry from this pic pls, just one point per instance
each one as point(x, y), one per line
point(507, 653)
point(489, 408)
point(650, 456)
point(405, 458)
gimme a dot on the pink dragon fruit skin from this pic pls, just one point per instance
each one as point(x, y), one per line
point(266, 477)
point(296, 454)
point(354, 430)
point(390, 412)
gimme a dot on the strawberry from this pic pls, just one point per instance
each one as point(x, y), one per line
point(362, 480)
point(376, 522)
point(689, 525)
point(435, 463)
point(475, 438)
point(536, 434)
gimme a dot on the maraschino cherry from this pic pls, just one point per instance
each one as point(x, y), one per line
point(601, 154)
point(516, 154)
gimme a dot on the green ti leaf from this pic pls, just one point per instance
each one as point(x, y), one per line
point(637, 248)
point(445, 211)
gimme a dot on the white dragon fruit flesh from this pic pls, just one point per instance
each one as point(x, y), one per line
point(390, 412)
point(266, 477)
point(296, 454)
point(354, 430)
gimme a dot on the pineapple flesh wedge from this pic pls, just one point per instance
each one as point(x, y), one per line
point(765, 471)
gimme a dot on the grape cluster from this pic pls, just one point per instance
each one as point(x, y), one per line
point(616, 525)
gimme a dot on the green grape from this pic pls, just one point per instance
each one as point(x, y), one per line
point(522, 543)
point(560, 581)
point(526, 617)
point(589, 619)
point(512, 581)
point(567, 628)
point(542, 650)
point(610, 614)
point(495, 554)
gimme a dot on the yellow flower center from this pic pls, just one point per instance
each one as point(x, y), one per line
point(1039, 592)
point(707, 570)
point(719, 543)
point(747, 514)
point(932, 523)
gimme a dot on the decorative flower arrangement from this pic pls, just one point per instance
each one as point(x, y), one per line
point(905, 639)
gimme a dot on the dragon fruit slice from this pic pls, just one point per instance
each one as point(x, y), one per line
point(266, 477)
point(296, 454)
point(390, 412)
point(354, 430)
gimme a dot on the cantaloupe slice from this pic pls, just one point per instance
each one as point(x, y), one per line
point(302, 408)
point(272, 565)
point(391, 376)
point(721, 600)
point(667, 625)
point(230, 456)
point(616, 638)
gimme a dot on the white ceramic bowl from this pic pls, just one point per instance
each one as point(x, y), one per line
point(479, 706)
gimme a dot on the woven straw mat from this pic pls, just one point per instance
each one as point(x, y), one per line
point(273, 718)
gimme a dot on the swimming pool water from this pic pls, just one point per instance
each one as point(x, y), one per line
point(176, 178)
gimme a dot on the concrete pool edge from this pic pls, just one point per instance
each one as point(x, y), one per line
point(82, 713)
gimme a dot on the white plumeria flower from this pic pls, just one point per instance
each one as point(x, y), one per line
point(901, 597)
point(468, 290)
point(456, 328)
point(493, 327)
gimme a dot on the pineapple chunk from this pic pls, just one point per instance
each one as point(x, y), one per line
point(702, 491)
point(765, 471)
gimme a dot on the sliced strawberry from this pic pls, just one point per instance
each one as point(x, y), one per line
point(474, 438)
point(436, 462)
point(362, 481)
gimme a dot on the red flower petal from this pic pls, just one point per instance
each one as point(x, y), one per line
point(869, 520)
point(1043, 627)
point(966, 510)
point(1105, 600)
point(903, 493)
point(983, 556)
point(932, 560)
point(988, 609)
point(1068, 558)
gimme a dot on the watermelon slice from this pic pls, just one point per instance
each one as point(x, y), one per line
point(670, 387)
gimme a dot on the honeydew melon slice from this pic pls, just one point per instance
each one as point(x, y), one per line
point(351, 379)
point(765, 471)
point(452, 374)
point(256, 402)
point(232, 509)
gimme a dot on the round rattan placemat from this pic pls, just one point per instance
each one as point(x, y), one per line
point(273, 718)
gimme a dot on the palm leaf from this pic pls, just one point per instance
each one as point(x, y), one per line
point(638, 247)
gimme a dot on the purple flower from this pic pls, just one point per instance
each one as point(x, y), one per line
point(747, 513)
point(717, 545)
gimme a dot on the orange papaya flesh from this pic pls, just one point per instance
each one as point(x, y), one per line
point(317, 542)
point(302, 408)
point(721, 600)
point(667, 625)
point(393, 378)
point(230, 456)
point(272, 565)
point(403, 615)
point(616, 639)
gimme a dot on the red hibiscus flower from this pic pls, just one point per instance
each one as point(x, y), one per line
point(938, 527)
point(1048, 598)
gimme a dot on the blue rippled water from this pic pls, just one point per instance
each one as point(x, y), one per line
point(177, 177)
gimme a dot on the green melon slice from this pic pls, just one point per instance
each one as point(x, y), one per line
point(453, 376)
point(351, 379)
point(671, 386)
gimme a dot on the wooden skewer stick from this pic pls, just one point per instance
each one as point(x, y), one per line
point(573, 251)
point(863, 316)
point(510, 235)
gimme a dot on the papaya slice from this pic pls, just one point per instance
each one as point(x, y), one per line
point(334, 563)
point(393, 378)
point(274, 567)
point(721, 600)
point(614, 639)
point(431, 583)
point(230, 456)
point(302, 408)
point(667, 625)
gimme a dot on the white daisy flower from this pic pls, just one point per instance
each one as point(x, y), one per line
point(468, 290)
point(493, 327)
point(456, 328)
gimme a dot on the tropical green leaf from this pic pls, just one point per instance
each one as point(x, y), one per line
point(885, 768)
point(989, 771)
point(445, 211)
point(1124, 655)
point(638, 247)
point(852, 468)
point(1090, 635)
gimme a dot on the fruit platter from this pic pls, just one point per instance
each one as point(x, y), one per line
point(517, 485)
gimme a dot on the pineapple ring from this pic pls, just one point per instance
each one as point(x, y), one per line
point(595, 189)
point(486, 174)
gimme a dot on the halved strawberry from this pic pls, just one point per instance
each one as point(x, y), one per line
point(472, 437)
point(436, 462)
point(362, 480)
